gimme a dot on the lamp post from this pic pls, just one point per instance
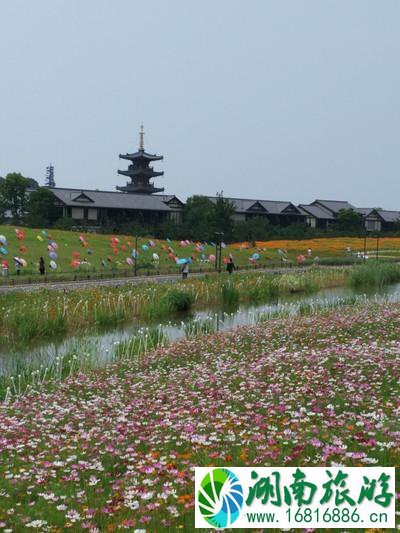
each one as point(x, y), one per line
point(365, 244)
point(377, 246)
point(218, 250)
point(136, 255)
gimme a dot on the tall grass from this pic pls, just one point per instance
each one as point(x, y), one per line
point(146, 340)
point(82, 358)
point(197, 327)
point(230, 295)
point(375, 275)
point(45, 314)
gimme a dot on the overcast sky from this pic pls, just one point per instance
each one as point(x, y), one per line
point(285, 100)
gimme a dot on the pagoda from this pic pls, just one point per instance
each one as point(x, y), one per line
point(139, 170)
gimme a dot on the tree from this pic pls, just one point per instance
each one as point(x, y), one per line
point(42, 209)
point(199, 218)
point(14, 194)
point(254, 229)
point(349, 220)
point(224, 211)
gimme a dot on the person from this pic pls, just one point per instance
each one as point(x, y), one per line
point(185, 270)
point(42, 268)
point(17, 268)
point(4, 266)
point(230, 266)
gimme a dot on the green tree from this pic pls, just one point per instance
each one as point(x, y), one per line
point(14, 194)
point(199, 218)
point(224, 211)
point(349, 220)
point(255, 229)
point(42, 209)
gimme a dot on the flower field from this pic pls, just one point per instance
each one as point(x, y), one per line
point(336, 246)
point(69, 254)
point(114, 449)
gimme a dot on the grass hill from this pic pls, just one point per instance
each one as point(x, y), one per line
point(78, 254)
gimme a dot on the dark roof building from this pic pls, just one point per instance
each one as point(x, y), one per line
point(101, 207)
point(135, 202)
point(278, 212)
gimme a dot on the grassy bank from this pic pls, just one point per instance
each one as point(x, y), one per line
point(45, 314)
point(375, 275)
point(82, 255)
point(115, 448)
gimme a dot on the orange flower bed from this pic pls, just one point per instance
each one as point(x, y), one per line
point(334, 245)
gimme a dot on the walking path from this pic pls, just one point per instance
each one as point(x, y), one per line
point(116, 282)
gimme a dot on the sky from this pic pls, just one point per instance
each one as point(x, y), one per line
point(264, 99)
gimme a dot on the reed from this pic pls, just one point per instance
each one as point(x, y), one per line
point(230, 295)
point(374, 275)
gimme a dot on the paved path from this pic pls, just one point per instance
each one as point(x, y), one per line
point(116, 282)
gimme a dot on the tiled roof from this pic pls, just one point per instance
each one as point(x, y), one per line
point(112, 200)
point(389, 216)
point(316, 211)
point(334, 206)
point(244, 205)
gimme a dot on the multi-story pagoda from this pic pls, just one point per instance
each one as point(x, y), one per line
point(139, 170)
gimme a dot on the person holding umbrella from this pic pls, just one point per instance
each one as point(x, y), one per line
point(4, 268)
point(230, 265)
point(42, 268)
point(185, 270)
point(18, 265)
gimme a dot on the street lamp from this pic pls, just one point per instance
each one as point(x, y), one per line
point(377, 246)
point(218, 250)
point(136, 255)
point(365, 244)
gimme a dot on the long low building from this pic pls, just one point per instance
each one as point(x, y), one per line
point(100, 207)
point(97, 208)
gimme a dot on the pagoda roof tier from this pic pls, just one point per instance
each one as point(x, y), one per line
point(140, 172)
point(141, 155)
point(140, 189)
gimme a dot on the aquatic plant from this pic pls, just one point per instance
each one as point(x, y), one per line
point(375, 275)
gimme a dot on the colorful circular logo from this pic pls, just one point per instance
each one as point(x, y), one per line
point(220, 497)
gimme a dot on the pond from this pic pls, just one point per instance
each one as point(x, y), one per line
point(102, 346)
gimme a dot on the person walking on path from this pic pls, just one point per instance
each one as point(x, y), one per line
point(42, 268)
point(4, 268)
point(230, 265)
point(185, 270)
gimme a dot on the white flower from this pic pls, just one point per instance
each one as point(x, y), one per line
point(61, 507)
point(37, 524)
point(73, 515)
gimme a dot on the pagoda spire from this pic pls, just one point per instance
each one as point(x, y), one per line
point(141, 137)
point(139, 171)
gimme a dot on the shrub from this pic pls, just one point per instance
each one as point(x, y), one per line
point(179, 301)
